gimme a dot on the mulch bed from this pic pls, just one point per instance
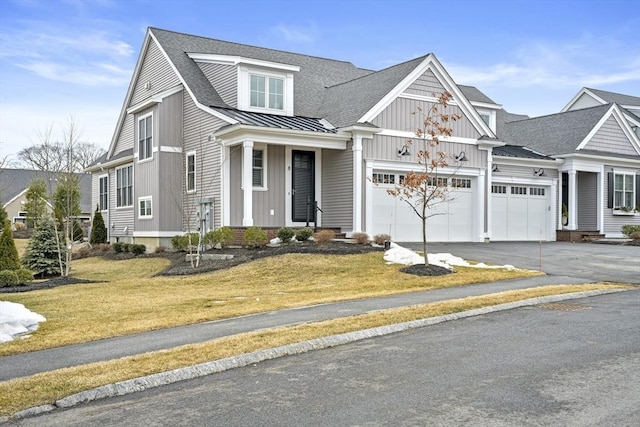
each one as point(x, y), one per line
point(426, 270)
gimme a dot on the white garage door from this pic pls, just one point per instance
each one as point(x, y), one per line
point(519, 212)
point(454, 222)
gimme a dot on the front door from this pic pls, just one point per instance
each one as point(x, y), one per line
point(303, 185)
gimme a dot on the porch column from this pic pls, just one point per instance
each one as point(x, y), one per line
point(247, 183)
point(487, 208)
point(559, 223)
point(357, 183)
point(573, 201)
point(600, 199)
point(368, 197)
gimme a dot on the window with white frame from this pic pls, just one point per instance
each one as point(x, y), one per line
point(266, 92)
point(103, 193)
point(144, 208)
point(191, 171)
point(145, 137)
point(460, 183)
point(258, 175)
point(518, 190)
point(499, 189)
point(124, 186)
point(384, 178)
point(623, 191)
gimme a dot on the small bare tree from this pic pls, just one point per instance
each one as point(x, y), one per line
point(423, 189)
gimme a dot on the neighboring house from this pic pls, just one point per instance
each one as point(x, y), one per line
point(214, 133)
point(14, 184)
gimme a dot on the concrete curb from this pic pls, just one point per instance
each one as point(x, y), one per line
point(208, 368)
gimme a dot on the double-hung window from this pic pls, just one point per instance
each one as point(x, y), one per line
point(103, 195)
point(124, 186)
point(258, 168)
point(191, 171)
point(624, 191)
point(266, 92)
point(144, 211)
point(145, 137)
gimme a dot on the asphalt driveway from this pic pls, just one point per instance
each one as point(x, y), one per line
point(591, 261)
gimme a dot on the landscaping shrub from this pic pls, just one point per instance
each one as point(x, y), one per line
point(9, 259)
point(635, 235)
point(137, 249)
point(118, 247)
point(303, 234)
point(285, 234)
point(628, 229)
point(104, 247)
point(8, 278)
point(379, 239)
point(43, 254)
point(24, 276)
point(222, 236)
point(181, 243)
point(82, 253)
point(254, 237)
point(160, 249)
point(360, 238)
point(324, 236)
point(98, 229)
point(19, 226)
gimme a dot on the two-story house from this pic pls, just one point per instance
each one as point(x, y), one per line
point(214, 133)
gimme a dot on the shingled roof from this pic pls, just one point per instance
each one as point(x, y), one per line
point(618, 98)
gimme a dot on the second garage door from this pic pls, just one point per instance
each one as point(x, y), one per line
point(519, 212)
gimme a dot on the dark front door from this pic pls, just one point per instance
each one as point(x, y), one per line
point(303, 183)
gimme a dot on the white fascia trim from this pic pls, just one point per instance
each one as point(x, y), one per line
point(236, 60)
point(583, 91)
point(486, 105)
point(17, 196)
point(237, 134)
point(412, 135)
point(170, 149)
point(431, 62)
point(622, 122)
point(413, 96)
point(155, 99)
point(408, 167)
point(157, 233)
point(113, 163)
point(554, 164)
point(610, 160)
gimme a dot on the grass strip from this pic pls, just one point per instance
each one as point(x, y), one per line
point(129, 299)
point(46, 388)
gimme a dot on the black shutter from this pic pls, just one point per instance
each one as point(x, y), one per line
point(637, 191)
point(610, 189)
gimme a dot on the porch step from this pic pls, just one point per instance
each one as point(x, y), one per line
point(578, 235)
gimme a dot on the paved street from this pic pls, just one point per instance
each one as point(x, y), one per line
point(575, 363)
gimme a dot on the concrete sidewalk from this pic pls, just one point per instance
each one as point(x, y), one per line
point(46, 360)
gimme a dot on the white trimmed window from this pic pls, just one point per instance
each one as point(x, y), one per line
point(460, 183)
point(623, 191)
point(144, 208)
point(145, 137)
point(190, 168)
point(124, 186)
point(259, 168)
point(499, 189)
point(384, 178)
point(103, 193)
point(266, 92)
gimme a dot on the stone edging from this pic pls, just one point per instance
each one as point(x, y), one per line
point(163, 378)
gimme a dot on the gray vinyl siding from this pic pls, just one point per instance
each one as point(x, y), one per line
point(584, 101)
point(125, 139)
point(611, 138)
point(587, 201)
point(167, 206)
point(224, 78)
point(337, 188)
point(403, 115)
point(169, 118)
point(506, 171)
point(614, 223)
point(198, 125)
point(155, 70)
point(273, 198)
point(384, 147)
point(426, 85)
point(120, 217)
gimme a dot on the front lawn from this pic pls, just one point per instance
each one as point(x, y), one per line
point(131, 299)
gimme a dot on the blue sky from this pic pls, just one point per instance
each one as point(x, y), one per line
point(74, 58)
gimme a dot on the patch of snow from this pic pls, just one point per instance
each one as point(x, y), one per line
point(16, 320)
point(400, 255)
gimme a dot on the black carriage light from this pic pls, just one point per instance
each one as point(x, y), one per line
point(462, 157)
point(539, 172)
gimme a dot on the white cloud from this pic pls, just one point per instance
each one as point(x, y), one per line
point(296, 33)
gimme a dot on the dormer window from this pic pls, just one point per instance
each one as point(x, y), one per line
point(266, 92)
point(489, 118)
